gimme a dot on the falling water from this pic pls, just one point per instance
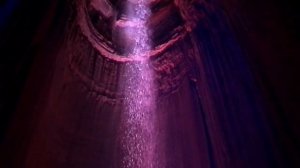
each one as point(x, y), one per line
point(138, 139)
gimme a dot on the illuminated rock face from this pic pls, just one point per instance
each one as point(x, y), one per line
point(109, 61)
point(168, 19)
point(84, 115)
point(110, 132)
point(207, 111)
point(108, 44)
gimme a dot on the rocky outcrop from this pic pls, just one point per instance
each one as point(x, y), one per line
point(99, 57)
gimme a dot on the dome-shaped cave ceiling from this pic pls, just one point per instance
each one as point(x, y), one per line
point(111, 18)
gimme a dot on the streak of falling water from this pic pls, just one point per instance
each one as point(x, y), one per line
point(137, 136)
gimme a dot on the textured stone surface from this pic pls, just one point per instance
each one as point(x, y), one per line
point(93, 50)
point(209, 112)
point(80, 103)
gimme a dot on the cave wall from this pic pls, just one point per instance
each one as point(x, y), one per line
point(241, 101)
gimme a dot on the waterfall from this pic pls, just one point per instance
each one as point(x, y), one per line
point(138, 132)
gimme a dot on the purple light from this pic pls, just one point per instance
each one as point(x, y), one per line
point(138, 138)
